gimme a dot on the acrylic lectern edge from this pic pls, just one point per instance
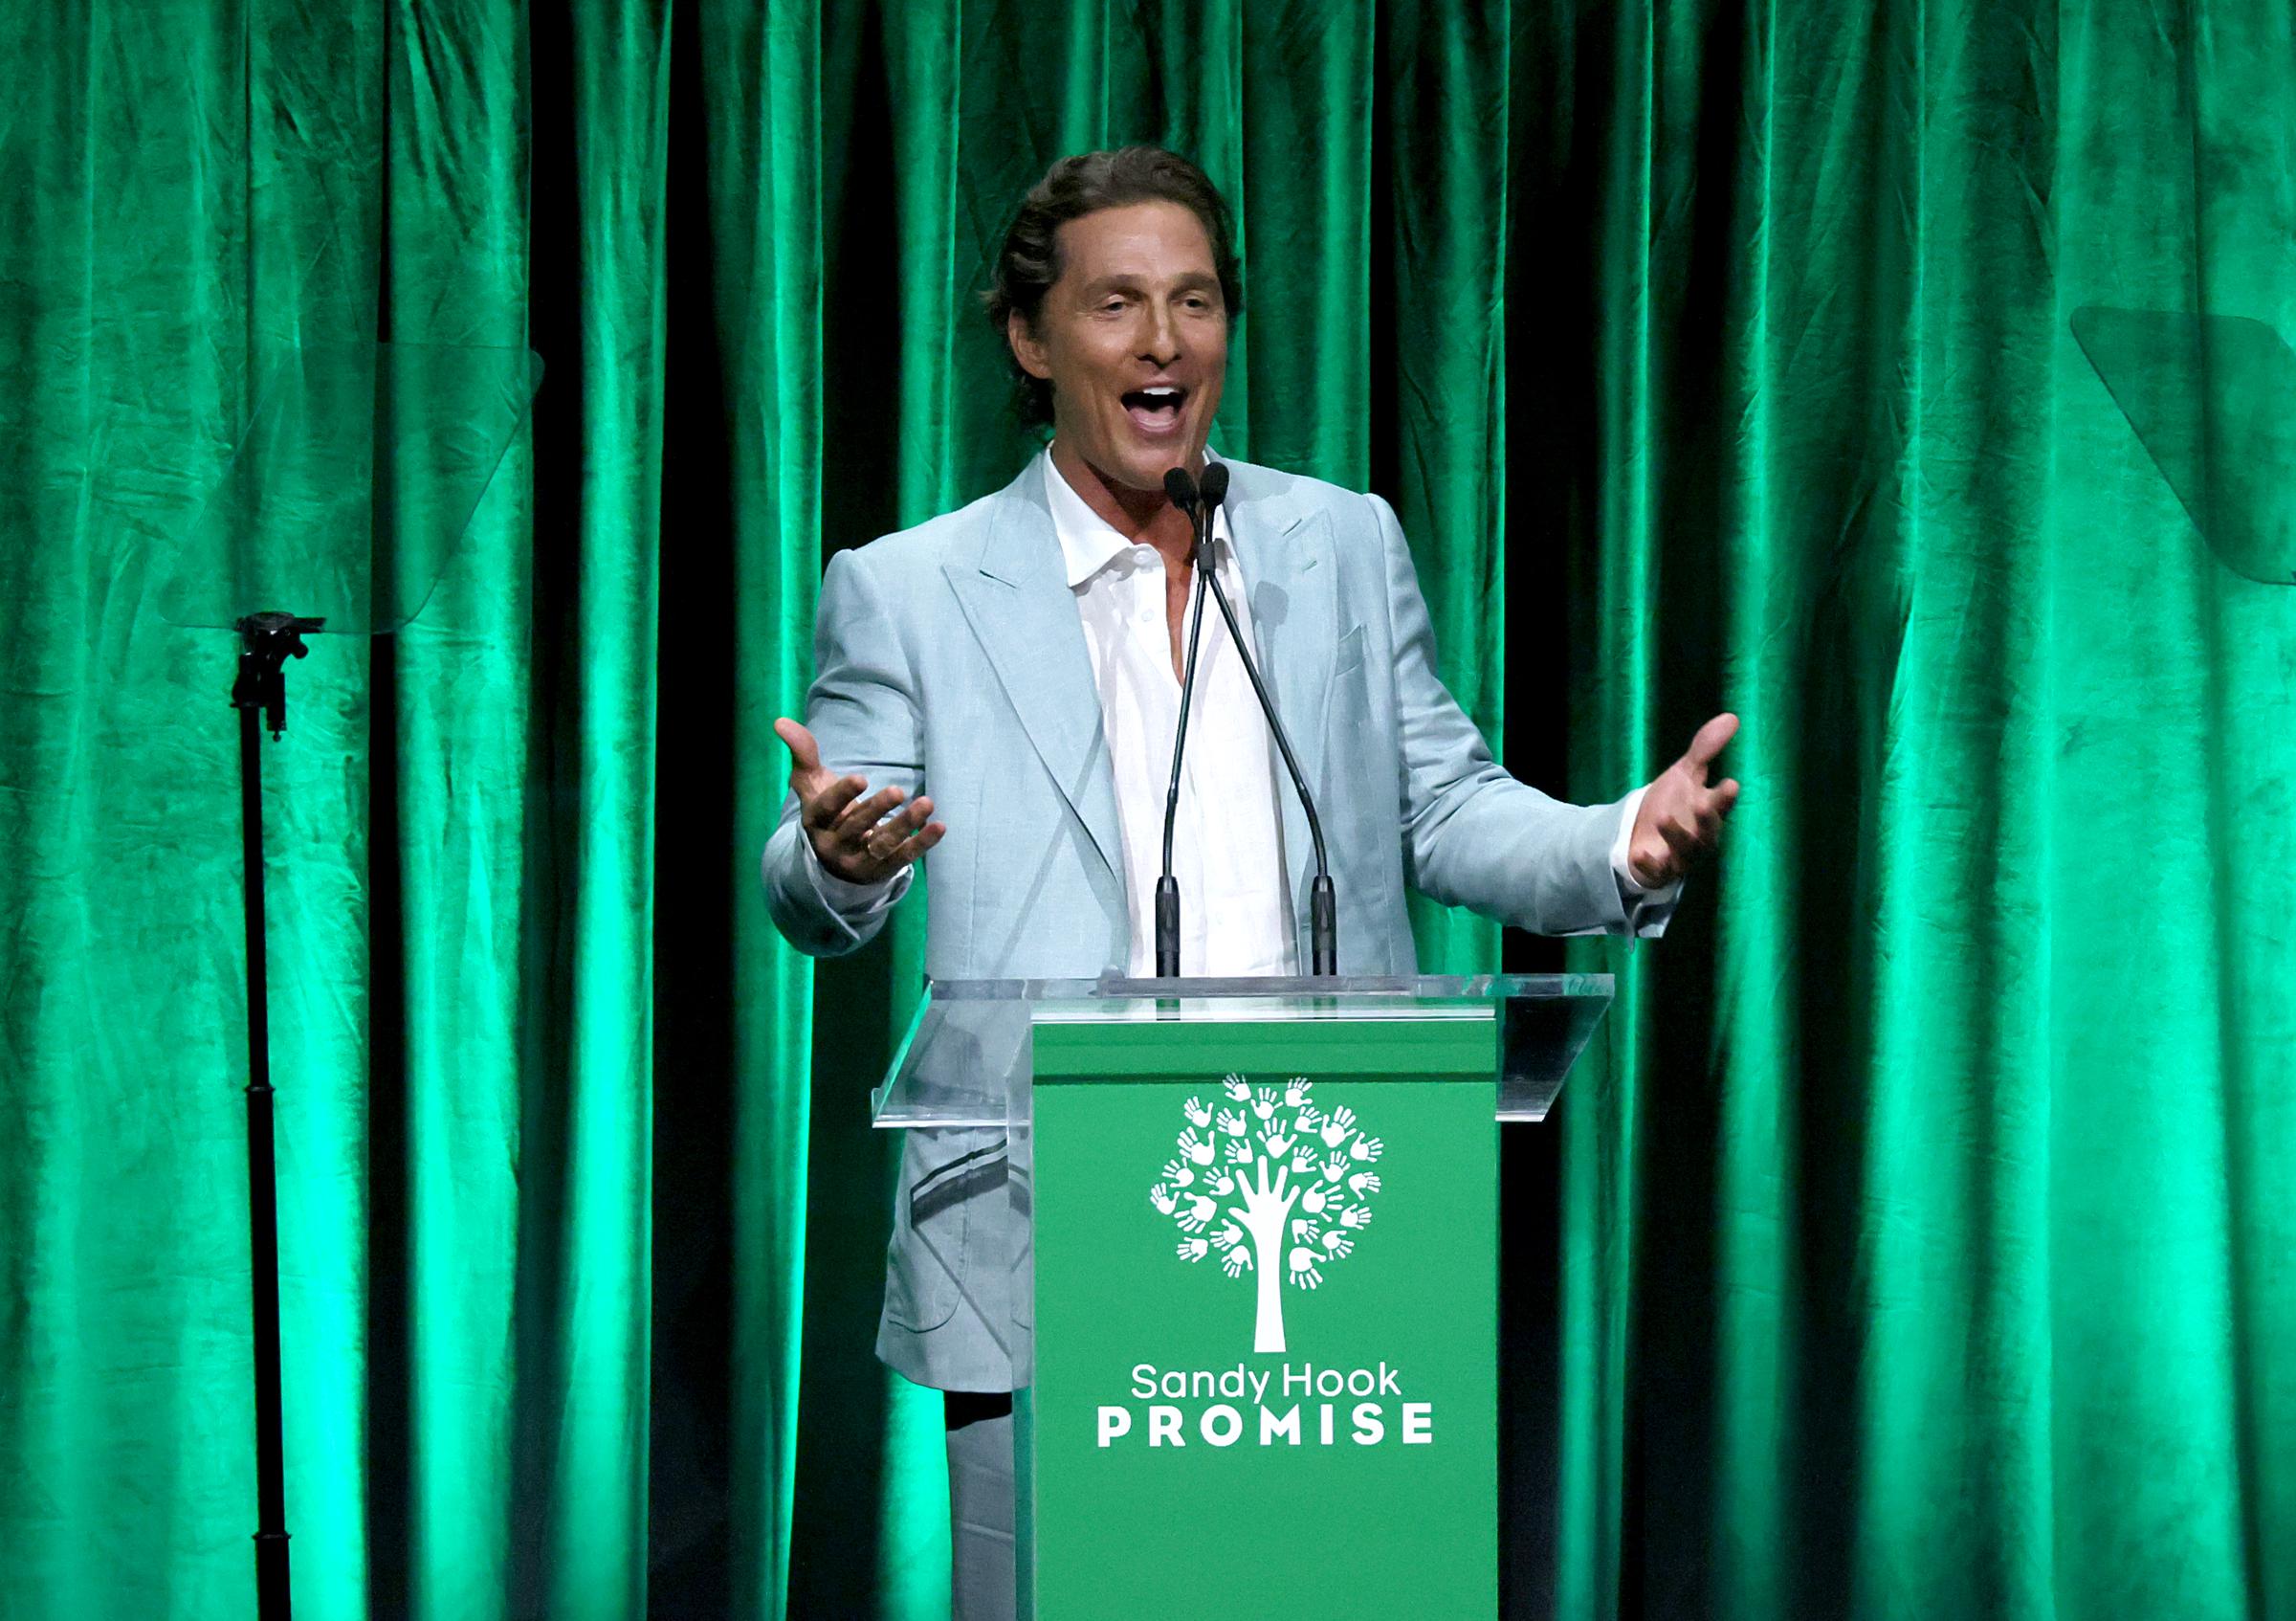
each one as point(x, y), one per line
point(1446, 998)
point(1441, 1045)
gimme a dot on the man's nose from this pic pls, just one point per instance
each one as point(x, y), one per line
point(1159, 343)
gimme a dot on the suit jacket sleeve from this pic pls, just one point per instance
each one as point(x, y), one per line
point(862, 710)
point(1472, 835)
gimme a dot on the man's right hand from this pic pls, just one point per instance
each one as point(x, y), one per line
point(861, 840)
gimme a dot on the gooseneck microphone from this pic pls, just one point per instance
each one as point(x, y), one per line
point(1323, 905)
point(1182, 491)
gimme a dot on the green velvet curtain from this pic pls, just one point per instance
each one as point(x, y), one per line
point(1933, 1232)
point(1920, 1243)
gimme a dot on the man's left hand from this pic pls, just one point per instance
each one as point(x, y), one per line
point(1679, 822)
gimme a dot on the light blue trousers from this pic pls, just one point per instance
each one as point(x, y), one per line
point(980, 1506)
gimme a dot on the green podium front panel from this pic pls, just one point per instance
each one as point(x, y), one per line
point(1264, 1318)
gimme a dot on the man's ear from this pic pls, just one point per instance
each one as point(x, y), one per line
point(1025, 347)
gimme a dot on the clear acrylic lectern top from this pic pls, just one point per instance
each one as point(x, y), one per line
point(2213, 400)
point(968, 1058)
point(351, 488)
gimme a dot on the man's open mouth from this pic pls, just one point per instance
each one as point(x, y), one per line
point(1155, 409)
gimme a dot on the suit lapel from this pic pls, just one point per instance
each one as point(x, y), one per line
point(1283, 550)
point(1017, 600)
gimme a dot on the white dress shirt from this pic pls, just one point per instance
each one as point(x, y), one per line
point(1228, 852)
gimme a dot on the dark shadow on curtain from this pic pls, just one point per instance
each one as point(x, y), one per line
point(553, 833)
point(1550, 538)
point(840, 1487)
point(691, 1542)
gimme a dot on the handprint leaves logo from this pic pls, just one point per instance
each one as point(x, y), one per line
point(1283, 1213)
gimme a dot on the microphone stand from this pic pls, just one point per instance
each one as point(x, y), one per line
point(259, 693)
point(1323, 905)
point(1183, 492)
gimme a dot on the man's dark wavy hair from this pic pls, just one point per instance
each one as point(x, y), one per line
point(1030, 262)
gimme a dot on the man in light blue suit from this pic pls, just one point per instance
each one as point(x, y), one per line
point(997, 686)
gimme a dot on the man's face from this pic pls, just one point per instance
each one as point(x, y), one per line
point(1134, 338)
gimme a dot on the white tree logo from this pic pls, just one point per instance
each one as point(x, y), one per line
point(1237, 1179)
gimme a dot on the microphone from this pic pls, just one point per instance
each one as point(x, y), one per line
point(1183, 490)
point(1323, 905)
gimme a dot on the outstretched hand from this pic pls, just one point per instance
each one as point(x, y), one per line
point(1679, 823)
point(861, 840)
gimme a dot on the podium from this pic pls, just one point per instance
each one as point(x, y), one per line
point(1254, 1325)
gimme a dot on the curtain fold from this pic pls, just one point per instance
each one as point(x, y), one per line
point(459, 1154)
point(1915, 1243)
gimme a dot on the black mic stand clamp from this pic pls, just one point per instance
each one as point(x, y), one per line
point(266, 642)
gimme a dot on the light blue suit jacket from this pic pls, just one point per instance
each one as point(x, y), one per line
point(952, 660)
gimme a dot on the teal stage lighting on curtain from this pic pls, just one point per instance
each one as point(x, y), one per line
point(1925, 1238)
